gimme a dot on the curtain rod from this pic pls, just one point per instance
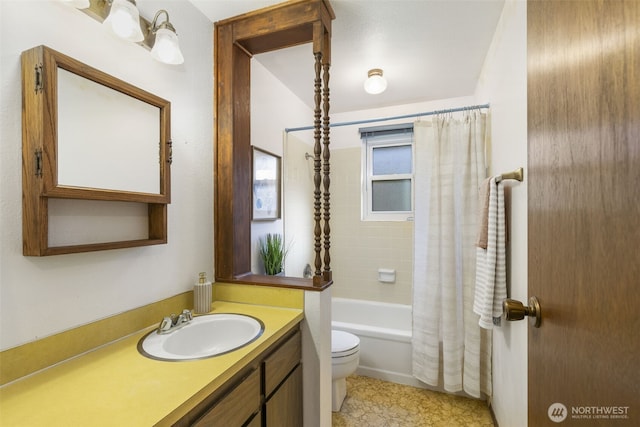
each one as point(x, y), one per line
point(384, 119)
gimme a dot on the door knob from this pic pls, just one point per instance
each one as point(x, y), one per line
point(515, 310)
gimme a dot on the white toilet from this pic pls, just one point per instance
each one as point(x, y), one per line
point(345, 355)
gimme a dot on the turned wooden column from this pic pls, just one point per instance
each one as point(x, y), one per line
point(326, 178)
point(317, 166)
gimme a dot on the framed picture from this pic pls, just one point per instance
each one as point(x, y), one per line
point(265, 194)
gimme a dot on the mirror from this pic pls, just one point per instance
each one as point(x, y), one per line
point(236, 40)
point(88, 136)
point(126, 157)
point(109, 140)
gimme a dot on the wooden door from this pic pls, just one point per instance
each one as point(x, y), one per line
point(584, 211)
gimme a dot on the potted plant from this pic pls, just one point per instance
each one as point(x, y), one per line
point(273, 253)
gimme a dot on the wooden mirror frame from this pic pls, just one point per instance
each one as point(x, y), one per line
point(39, 155)
point(236, 41)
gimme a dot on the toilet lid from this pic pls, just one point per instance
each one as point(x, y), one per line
point(343, 343)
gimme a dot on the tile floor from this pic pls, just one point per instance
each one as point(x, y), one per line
point(375, 403)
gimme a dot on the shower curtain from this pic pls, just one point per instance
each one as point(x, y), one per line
point(449, 347)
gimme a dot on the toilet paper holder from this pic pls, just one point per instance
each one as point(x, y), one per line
point(386, 275)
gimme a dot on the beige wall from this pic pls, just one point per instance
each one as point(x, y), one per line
point(359, 248)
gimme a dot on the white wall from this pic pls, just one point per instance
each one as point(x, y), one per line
point(273, 108)
point(40, 296)
point(316, 358)
point(298, 201)
point(503, 82)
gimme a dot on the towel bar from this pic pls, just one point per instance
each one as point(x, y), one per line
point(517, 174)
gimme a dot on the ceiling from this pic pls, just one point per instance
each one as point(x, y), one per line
point(428, 49)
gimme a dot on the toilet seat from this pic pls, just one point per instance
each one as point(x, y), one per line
point(343, 344)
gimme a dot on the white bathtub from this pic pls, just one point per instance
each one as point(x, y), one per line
point(384, 330)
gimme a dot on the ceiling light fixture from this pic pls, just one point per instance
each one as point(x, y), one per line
point(123, 19)
point(375, 83)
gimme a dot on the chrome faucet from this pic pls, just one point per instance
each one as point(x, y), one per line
point(173, 322)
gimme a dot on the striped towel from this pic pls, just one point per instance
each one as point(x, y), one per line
point(491, 273)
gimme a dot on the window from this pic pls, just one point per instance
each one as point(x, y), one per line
point(387, 167)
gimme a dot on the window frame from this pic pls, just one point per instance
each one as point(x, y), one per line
point(381, 137)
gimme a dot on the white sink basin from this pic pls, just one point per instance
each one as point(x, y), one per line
point(205, 336)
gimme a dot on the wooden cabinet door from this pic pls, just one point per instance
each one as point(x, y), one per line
point(284, 408)
point(278, 365)
point(256, 421)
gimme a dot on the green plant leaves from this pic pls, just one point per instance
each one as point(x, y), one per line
point(273, 253)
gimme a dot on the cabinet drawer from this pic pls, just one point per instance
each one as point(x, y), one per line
point(234, 409)
point(278, 365)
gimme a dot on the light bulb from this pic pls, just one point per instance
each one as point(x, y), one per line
point(375, 83)
point(124, 20)
point(166, 48)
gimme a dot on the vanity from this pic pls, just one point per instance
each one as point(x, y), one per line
point(268, 393)
point(259, 384)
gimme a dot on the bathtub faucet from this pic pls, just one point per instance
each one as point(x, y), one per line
point(173, 322)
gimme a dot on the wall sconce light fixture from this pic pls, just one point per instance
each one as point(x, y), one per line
point(80, 4)
point(166, 48)
point(122, 18)
point(375, 83)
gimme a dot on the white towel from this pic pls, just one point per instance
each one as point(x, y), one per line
point(491, 273)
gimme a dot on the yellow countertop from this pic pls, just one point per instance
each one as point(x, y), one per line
point(115, 385)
